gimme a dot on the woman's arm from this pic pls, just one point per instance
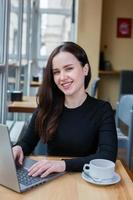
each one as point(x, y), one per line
point(30, 138)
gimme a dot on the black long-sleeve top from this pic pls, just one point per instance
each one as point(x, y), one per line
point(86, 132)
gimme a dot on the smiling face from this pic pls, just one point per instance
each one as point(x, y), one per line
point(69, 75)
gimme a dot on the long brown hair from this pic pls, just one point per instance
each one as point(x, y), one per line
point(50, 99)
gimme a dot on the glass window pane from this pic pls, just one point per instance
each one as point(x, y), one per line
point(14, 3)
point(65, 4)
point(1, 29)
point(55, 25)
point(13, 34)
point(54, 30)
point(24, 34)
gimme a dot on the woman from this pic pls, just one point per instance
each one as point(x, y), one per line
point(70, 121)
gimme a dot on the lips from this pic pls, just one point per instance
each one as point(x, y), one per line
point(66, 85)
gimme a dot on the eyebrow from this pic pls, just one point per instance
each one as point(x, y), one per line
point(65, 66)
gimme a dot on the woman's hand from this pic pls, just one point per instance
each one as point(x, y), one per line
point(18, 154)
point(45, 167)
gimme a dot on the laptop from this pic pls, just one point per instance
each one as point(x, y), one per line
point(12, 176)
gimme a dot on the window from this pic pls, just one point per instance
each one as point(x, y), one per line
point(1, 30)
point(54, 25)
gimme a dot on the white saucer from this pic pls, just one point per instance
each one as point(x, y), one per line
point(116, 178)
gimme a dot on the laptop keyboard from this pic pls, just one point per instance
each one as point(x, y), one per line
point(25, 179)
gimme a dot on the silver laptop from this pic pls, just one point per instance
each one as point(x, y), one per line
point(11, 176)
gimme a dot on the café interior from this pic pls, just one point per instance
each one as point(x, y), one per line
point(31, 29)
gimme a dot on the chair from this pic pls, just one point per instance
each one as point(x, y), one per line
point(126, 82)
point(94, 87)
point(40, 149)
point(124, 114)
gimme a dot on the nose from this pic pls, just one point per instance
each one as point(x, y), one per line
point(62, 75)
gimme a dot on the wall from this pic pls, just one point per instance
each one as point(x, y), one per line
point(89, 30)
point(119, 50)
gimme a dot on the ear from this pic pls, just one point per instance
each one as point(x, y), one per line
point(86, 69)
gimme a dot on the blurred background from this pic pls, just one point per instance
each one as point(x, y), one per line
point(31, 29)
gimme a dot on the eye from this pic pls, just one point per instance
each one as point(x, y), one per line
point(56, 72)
point(69, 68)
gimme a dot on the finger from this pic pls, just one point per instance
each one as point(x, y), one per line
point(21, 158)
point(48, 171)
point(38, 170)
point(14, 155)
point(16, 152)
point(33, 170)
point(37, 164)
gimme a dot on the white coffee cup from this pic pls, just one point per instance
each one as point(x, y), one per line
point(100, 169)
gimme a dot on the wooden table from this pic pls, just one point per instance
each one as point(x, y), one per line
point(28, 105)
point(35, 84)
point(72, 187)
point(109, 72)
